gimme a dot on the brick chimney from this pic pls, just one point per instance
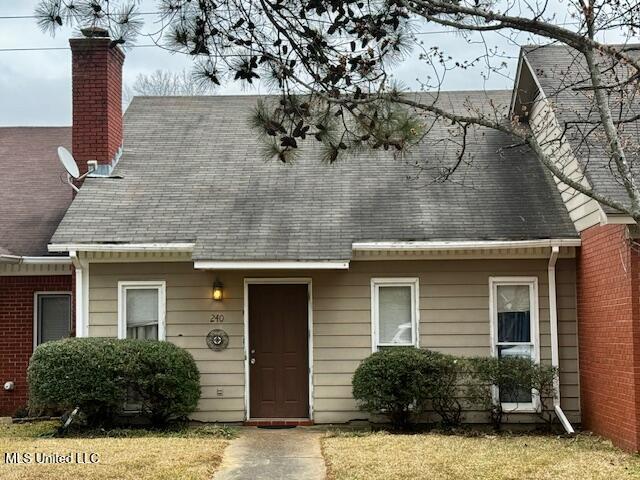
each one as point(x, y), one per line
point(97, 99)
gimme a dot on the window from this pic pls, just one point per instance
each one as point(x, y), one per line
point(514, 330)
point(52, 316)
point(395, 313)
point(141, 310)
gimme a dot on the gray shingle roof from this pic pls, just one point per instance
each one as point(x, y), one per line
point(33, 191)
point(560, 71)
point(192, 171)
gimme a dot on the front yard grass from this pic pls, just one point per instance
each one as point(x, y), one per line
point(190, 453)
point(382, 456)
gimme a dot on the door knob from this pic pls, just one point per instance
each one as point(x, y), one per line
point(253, 361)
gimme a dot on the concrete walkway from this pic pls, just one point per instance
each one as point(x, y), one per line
point(273, 454)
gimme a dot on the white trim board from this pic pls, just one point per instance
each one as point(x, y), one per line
point(121, 247)
point(271, 265)
point(531, 282)
point(18, 260)
point(125, 285)
point(414, 284)
point(277, 281)
point(615, 219)
point(465, 245)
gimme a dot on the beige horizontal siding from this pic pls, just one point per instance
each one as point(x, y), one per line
point(454, 313)
point(583, 210)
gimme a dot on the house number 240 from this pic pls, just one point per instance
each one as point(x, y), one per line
point(216, 318)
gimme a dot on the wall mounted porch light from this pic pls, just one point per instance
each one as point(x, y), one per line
point(218, 289)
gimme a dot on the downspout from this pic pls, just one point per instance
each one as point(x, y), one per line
point(81, 293)
point(555, 355)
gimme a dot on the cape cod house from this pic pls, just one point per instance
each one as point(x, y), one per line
point(280, 279)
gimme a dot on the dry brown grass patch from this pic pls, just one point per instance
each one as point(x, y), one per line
point(136, 457)
point(382, 456)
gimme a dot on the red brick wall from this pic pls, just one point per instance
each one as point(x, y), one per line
point(608, 333)
point(16, 332)
point(97, 100)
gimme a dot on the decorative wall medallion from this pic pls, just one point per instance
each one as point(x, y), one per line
point(217, 340)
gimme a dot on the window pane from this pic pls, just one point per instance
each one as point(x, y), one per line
point(511, 351)
point(515, 394)
point(514, 313)
point(394, 307)
point(142, 313)
point(54, 317)
point(146, 332)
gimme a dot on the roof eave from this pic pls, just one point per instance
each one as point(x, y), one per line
point(122, 247)
point(271, 265)
point(433, 246)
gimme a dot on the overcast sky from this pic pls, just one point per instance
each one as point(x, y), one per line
point(35, 86)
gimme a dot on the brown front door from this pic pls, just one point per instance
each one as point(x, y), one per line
point(278, 351)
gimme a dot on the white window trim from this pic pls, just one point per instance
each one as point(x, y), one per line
point(38, 294)
point(412, 282)
point(532, 283)
point(123, 286)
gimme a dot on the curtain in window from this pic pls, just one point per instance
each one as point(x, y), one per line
point(514, 313)
point(142, 313)
point(394, 311)
point(514, 326)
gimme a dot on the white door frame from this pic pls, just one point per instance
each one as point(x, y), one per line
point(277, 281)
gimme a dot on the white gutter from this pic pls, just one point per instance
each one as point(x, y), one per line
point(81, 294)
point(47, 260)
point(272, 265)
point(555, 354)
point(465, 245)
point(35, 260)
point(121, 247)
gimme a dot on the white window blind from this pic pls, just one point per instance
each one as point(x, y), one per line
point(53, 317)
point(141, 310)
point(394, 312)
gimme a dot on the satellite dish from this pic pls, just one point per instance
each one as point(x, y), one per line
point(68, 162)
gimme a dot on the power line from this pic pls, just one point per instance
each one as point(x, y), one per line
point(26, 17)
point(35, 49)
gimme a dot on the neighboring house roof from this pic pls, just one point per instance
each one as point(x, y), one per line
point(560, 72)
point(34, 194)
point(192, 170)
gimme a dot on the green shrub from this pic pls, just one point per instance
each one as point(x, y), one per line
point(99, 375)
point(444, 387)
point(511, 376)
point(401, 381)
point(164, 377)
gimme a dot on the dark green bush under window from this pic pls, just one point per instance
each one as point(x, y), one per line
point(99, 375)
point(400, 381)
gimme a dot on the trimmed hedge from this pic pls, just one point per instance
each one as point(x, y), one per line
point(99, 375)
point(400, 381)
